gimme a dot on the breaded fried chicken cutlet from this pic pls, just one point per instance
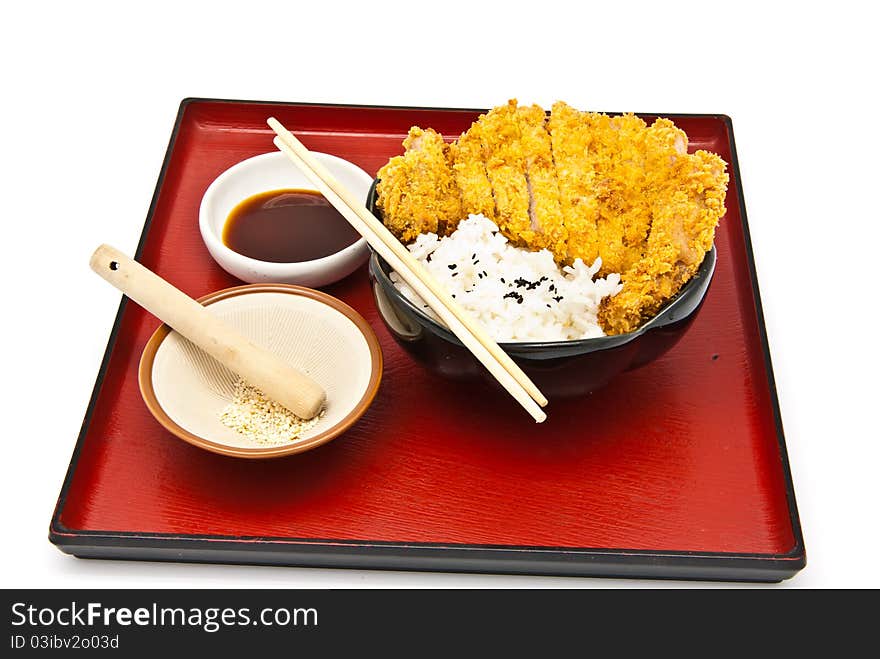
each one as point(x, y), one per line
point(583, 185)
point(686, 206)
point(571, 139)
point(418, 192)
point(545, 204)
point(506, 168)
point(470, 174)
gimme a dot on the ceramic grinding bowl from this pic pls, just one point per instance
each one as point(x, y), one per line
point(187, 390)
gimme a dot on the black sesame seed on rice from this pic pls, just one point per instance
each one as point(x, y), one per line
point(516, 296)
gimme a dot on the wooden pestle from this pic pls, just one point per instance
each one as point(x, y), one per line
point(279, 381)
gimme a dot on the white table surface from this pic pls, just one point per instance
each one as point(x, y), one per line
point(90, 95)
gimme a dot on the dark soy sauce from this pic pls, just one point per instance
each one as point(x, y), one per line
point(287, 226)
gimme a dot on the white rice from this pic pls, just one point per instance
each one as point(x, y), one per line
point(516, 294)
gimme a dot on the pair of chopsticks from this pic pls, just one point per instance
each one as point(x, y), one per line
point(468, 331)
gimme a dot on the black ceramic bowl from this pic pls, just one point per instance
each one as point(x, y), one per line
point(558, 368)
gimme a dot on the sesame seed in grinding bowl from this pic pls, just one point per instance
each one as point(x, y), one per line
point(209, 406)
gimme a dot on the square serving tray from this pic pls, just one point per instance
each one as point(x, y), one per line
point(675, 470)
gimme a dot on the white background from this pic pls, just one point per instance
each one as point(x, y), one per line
point(90, 92)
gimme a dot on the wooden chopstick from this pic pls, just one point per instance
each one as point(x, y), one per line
point(407, 273)
point(383, 234)
point(468, 331)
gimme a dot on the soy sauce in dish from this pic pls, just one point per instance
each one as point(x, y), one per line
point(287, 226)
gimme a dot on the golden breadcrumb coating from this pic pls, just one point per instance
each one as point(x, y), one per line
point(687, 201)
point(505, 166)
point(470, 174)
point(392, 200)
point(571, 137)
point(618, 162)
point(545, 209)
point(417, 191)
point(581, 184)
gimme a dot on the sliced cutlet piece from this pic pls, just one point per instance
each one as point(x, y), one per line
point(499, 134)
point(432, 185)
point(664, 144)
point(570, 141)
point(470, 174)
point(632, 148)
point(687, 201)
point(394, 202)
point(417, 191)
point(545, 209)
point(617, 153)
point(638, 161)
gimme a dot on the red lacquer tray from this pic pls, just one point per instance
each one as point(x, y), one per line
point(675, 470)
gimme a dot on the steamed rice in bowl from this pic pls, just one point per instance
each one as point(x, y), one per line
point(516, 294)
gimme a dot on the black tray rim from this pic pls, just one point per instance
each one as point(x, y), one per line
point(439, 557)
